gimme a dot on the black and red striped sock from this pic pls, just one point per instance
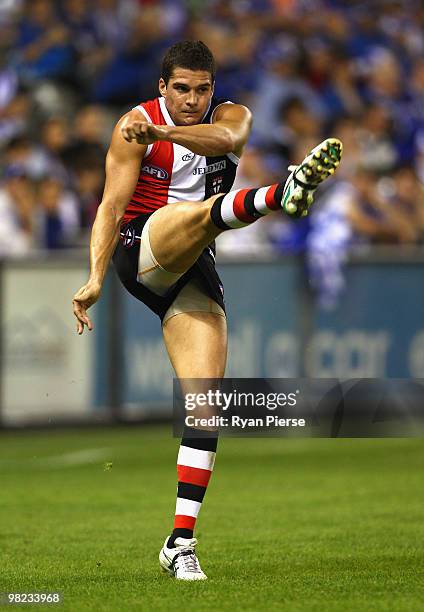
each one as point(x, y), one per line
point(195, 462)
point(245, 206)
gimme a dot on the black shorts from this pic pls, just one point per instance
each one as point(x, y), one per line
point(125, 260)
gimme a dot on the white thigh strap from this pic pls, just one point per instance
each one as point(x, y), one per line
point(150, 273)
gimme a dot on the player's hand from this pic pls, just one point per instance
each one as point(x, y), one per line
point(141, 131)
point(83, 299)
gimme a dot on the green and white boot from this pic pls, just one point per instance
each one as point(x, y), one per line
point(304, 179)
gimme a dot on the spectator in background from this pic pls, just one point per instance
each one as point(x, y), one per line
point(55, 137)
point(401, 26)
point(376, 139)
point(295, 128)
point(16, 213)
point(91, 126)
point(340, 93)
point(8, 76)
point(384, 80)
point(85, 158)
point(235, 57)
point(88, 49)
point(347, 130)
point(8, 10)
point(88, 183)
point(99, 31)
point(319, 63)
point(240, 74)
point(371, 217)
point(366, 34)
point(15, 116)
point(44, 47)
point(57, 215)
point(327, 245)
point(385, 88)
point(336, 29)
point(21, 151)
point(419, 156)
point(133, 70)
point(112, 19)
point(78, 19)
point(416, 96)
point(359, 212)
point(282, 81)
point(408, 201)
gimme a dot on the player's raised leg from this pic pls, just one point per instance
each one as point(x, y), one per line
point(179, 232)
point(197, 346)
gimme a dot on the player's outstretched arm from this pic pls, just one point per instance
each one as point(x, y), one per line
point(227, 134)
point(122, 171)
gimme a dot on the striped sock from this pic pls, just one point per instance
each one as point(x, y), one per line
point(245, 206)
point(195, 462)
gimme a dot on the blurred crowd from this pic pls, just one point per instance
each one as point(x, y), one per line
point(307, 69)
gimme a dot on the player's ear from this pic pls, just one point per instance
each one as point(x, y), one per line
point(162, 87)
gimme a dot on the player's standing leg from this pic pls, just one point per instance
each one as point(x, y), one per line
point(197, 346)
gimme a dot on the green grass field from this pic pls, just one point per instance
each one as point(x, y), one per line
point(299, 525)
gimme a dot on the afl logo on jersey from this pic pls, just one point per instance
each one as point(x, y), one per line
point(155, 172)
point(188, 156)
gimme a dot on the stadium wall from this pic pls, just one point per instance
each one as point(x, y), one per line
point(121, 370)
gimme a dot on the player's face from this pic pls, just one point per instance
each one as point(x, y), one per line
point(187, 95)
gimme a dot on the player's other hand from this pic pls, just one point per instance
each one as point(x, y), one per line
point(134, 127)
point(83, 299)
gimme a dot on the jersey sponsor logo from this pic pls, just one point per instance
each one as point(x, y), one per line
point(220, 165)
point(188, 156)
point(156, 172)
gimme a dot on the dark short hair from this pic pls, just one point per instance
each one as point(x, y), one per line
point(190, 54)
